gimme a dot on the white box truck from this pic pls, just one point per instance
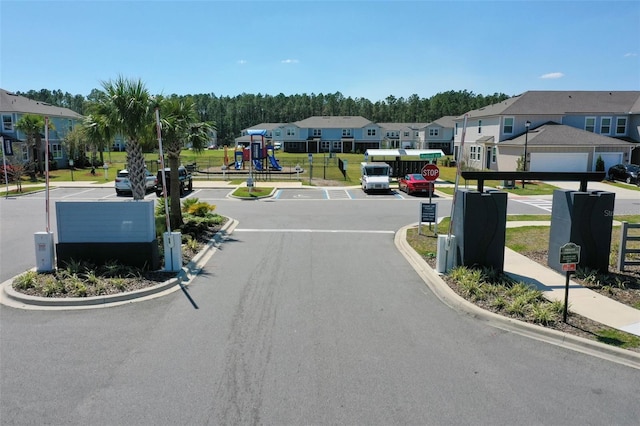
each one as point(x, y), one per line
point(375, 176)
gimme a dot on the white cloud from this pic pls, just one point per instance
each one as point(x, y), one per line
point(629, 55)
point(552, 75)
point(289, 61)
point(242, 61)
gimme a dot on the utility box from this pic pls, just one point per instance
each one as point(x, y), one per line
point(172, 251)
point(45, 259)
point(446, 254)
point(585, 219)
point(479, 225)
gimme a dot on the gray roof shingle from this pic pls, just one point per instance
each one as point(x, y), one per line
point(10, 102)
point(554, 134)
point(334, 122)
point(563, 103)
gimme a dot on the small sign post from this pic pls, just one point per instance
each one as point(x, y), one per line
point(569, 258)
point(429, 214)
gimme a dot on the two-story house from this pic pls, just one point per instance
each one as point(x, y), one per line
point(61, 121)
point(438, 135)
point(555, 130)
point(324, 134)
point(401, 135)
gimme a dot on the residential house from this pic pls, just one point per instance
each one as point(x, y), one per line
point(438, 135)
point(558, 130)
point(401, 135)
point(324, 134)
point(272, 129)
point(61, 120)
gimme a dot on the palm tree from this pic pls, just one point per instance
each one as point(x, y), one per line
point(97, 131)
point(179, 122)
point(127, 110)
point(32, 126)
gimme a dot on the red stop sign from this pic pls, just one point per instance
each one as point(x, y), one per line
point(430, 172)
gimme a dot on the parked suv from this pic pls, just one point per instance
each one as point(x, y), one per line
point(186, 181)
point(625, 172)
point(123, 185)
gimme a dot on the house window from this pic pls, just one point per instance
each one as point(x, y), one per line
point(317, 132)
point(7, 123)
point(337, 146)
point(456, 128)
point(371, 132)
point(494, 154)
point(621, 125)
point(70, 124)
point(277, 132)
point(605, 125)
point(406, 134)
point(347, 133)
point(291, 131)
point(507, 126)
point(479, 126)
point(434, 132)
point(590, 124)
point(325, 145)
point(472, 153)
point(388, 134)
point(415, 134)
point(56, 150)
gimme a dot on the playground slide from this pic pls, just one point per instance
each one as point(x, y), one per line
point(257, 165)
point(274, 163)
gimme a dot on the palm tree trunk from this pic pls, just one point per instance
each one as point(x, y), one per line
point(136, 166)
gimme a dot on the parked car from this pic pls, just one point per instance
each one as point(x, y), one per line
point(186, 181)
point(123, 185)
point(415, 183)
point(625, 172)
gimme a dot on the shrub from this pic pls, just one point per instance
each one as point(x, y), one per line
point(518, 306)
point(499, 303)
point(25, 281)
point(543, 314)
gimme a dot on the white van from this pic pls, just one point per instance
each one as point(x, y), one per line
point(375, 176)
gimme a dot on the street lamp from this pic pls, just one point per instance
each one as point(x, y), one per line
point(71, 167)
point(526, 140)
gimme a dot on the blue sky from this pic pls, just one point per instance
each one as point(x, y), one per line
point(369, 49)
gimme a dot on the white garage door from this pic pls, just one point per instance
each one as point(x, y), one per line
point(559, 162)
point(609, 158)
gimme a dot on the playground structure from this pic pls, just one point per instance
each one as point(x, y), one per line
point(259, 155)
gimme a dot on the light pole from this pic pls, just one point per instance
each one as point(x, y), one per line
point(71, 167)
point(526, 140)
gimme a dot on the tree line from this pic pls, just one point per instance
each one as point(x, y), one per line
point(230, 115)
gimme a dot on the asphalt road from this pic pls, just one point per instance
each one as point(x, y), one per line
point(306, 315)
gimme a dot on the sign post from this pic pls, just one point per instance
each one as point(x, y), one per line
point(569, 257)
point(430, 173)
point(430, 155)
point(429, 214)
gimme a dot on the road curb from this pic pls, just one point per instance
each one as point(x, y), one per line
point(450, 298)
point(15, 299)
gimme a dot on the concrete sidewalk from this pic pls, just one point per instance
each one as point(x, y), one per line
point(582, 301)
